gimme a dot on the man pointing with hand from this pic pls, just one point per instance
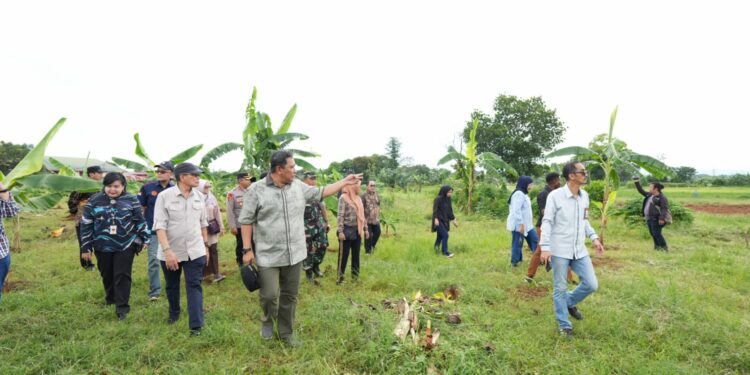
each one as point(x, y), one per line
point(273, 211)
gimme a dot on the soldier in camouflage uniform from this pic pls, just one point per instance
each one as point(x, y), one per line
point(316, 233)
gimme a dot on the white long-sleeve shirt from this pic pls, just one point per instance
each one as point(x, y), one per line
point(519, 213)
point(565, 225)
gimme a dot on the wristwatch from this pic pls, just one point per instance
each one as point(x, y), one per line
point(245, 251)
point(4, 191)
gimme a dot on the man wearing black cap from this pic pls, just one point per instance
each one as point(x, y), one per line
point(273, 211)
point(180, 222)
point(76, 202)
point(234, 206)
point(147, 197)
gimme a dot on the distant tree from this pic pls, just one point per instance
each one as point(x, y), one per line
point(519, 132)
point(393, 151)
point(684, 174)
point(11, 154)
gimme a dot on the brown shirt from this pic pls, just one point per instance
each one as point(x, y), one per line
point(371, 202)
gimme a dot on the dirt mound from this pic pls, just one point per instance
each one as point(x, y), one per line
point(713, 208)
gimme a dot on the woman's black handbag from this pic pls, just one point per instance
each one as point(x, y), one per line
point(250, 277)
point(213, 227)
point(350, 232)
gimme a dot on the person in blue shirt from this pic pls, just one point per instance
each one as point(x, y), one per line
point(520, 222)
point(113, 228)
point(147, 198)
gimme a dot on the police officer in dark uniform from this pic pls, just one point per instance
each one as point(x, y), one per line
point(234, 206)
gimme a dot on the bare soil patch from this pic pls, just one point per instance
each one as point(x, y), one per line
point(728, 209)
point(606, 262)
point(527, 291)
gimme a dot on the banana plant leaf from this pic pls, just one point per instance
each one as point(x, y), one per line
point(304, 164)
point(651, 165)
point(185, 155)
point(572, 150)
point(287, 122)
point(302, 153)
point(129, 164)
point(34, 160)
point(63, 170)
point(41, 203)
point(60, 183)
point(141, 152)
point(218, 152)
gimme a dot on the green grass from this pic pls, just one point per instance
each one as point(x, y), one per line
point(686, 311)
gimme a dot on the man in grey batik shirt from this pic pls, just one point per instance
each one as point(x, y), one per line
point(273, 212)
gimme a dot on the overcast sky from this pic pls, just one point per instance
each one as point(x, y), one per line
point(181, 73)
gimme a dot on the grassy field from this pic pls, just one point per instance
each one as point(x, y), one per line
point(685, 312)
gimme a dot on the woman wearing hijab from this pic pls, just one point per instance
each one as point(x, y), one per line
point(215, 229)
point(114, 229)
point(352, 228)
point(442, 215)
point(520, 220)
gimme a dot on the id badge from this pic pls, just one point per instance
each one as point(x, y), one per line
point(113, 229)
point(585, 214)
point(239, 201)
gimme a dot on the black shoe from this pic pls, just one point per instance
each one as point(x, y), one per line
point(195, 332)
point(566, 332)
point(172, 320)
point(122, 316)
point(316, 271)
point(309, 276)
point(573, 311)
point(340, 279)
point(91, 268)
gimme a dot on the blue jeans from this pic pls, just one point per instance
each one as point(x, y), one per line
point(516, 254)
point(442, 239)
point(4, 268)
point(562, 298)
point(193, 276)
point(154, 279)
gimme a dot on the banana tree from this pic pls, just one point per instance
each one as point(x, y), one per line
point(467, 163)
point(610, 154)
point(140, 151)
point(259, 141)
point(26, 183)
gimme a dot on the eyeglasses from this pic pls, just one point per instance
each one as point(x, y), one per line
point(585, 173)
point(196, 175)
point(162, 171)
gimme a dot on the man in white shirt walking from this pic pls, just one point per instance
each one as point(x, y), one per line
point(564, 230)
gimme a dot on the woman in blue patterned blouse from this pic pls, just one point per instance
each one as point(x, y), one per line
point(113, 227)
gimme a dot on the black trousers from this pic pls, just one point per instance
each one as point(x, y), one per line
point(84, 263)
point(352, 246)
point(370, 243)
point(116, 269)
point(212, 267)
point(654, 228)
point(193, 276)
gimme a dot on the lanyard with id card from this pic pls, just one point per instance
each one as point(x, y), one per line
point(112, 213)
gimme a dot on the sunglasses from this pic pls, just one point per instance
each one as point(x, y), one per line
point(196, 175)
point(162, 171)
